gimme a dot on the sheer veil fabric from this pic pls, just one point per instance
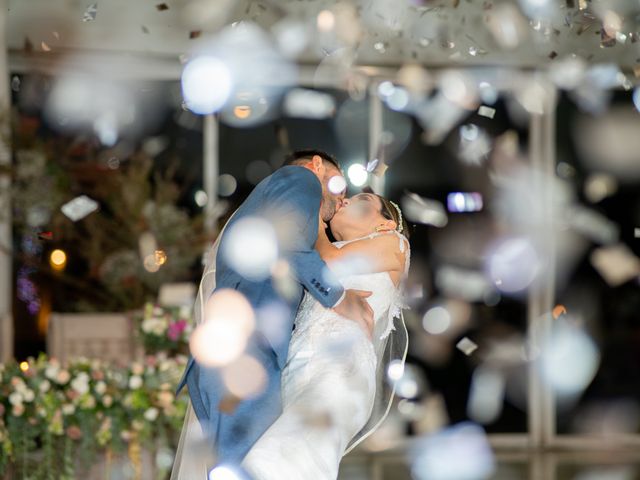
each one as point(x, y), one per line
point(194, 458)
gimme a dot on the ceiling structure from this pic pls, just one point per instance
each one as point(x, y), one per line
point(382, 33)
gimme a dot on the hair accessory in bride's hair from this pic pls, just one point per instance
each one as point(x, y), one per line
point(399, 228)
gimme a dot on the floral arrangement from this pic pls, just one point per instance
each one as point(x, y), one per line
point(70, 413)
point(165, 329)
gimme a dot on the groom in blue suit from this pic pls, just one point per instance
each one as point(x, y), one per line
point(300, 192)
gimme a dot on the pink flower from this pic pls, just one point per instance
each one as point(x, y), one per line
point(150, 361)
point(176, 329)
point(72, 394)
point(74, 432)
point(97, 375)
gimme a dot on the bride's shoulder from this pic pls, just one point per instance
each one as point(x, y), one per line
point(388, 242)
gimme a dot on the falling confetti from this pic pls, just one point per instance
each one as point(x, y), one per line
point(372, 165)
point(79, 207)
point(45, 47)
point(306, 103)
point(45, 235)
point(487, 112)
point(90, 13)
point(466, 346)
point(616, 264)
point(422, 210)
point(380, 46)
point(558, 310)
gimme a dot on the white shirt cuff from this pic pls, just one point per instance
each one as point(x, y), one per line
point(344, 293)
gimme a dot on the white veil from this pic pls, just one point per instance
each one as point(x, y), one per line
point(194, 457)
point(395, 348)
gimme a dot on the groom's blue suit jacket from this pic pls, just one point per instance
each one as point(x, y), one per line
point(292, 196)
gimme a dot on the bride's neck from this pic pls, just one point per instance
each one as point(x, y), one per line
point(348, 234)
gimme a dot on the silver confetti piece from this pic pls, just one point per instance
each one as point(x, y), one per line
point(466, 346)
point(485, 111)
point(90, 13)
point(79, 207)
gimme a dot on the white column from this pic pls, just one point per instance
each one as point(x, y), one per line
point(541, 406)
point(6, 284)
point(375, 134)
point(210, 169)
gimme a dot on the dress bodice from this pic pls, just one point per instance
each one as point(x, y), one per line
point(354, 272)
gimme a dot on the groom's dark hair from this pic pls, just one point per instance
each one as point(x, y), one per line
point(302, 156)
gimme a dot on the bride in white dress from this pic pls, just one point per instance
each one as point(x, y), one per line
point(334, 390)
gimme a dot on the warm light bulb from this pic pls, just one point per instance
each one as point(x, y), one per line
point(242, 111)
point(58, 259)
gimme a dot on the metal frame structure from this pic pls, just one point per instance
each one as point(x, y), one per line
point(541, 438)
point(6, 262)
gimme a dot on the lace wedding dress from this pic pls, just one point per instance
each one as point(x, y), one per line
point(334, 391)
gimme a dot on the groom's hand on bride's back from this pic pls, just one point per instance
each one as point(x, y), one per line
point(354, 306)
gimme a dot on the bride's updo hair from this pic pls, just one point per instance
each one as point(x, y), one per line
point(390, 212)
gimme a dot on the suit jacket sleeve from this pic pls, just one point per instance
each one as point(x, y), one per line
point(300, 192)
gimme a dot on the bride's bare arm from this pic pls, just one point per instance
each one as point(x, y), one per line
point(383, 251)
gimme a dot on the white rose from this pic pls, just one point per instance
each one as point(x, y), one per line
point(29, 395)
point(151, 414)
point(51, 372)
point(185, 311)
point(45, 386)
point(101, 387)
point(160, 328)
point(15, 398)
point(80, 385)
point(135, 382)
point(147, 325)
point(107, 401)
point(68, 409)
